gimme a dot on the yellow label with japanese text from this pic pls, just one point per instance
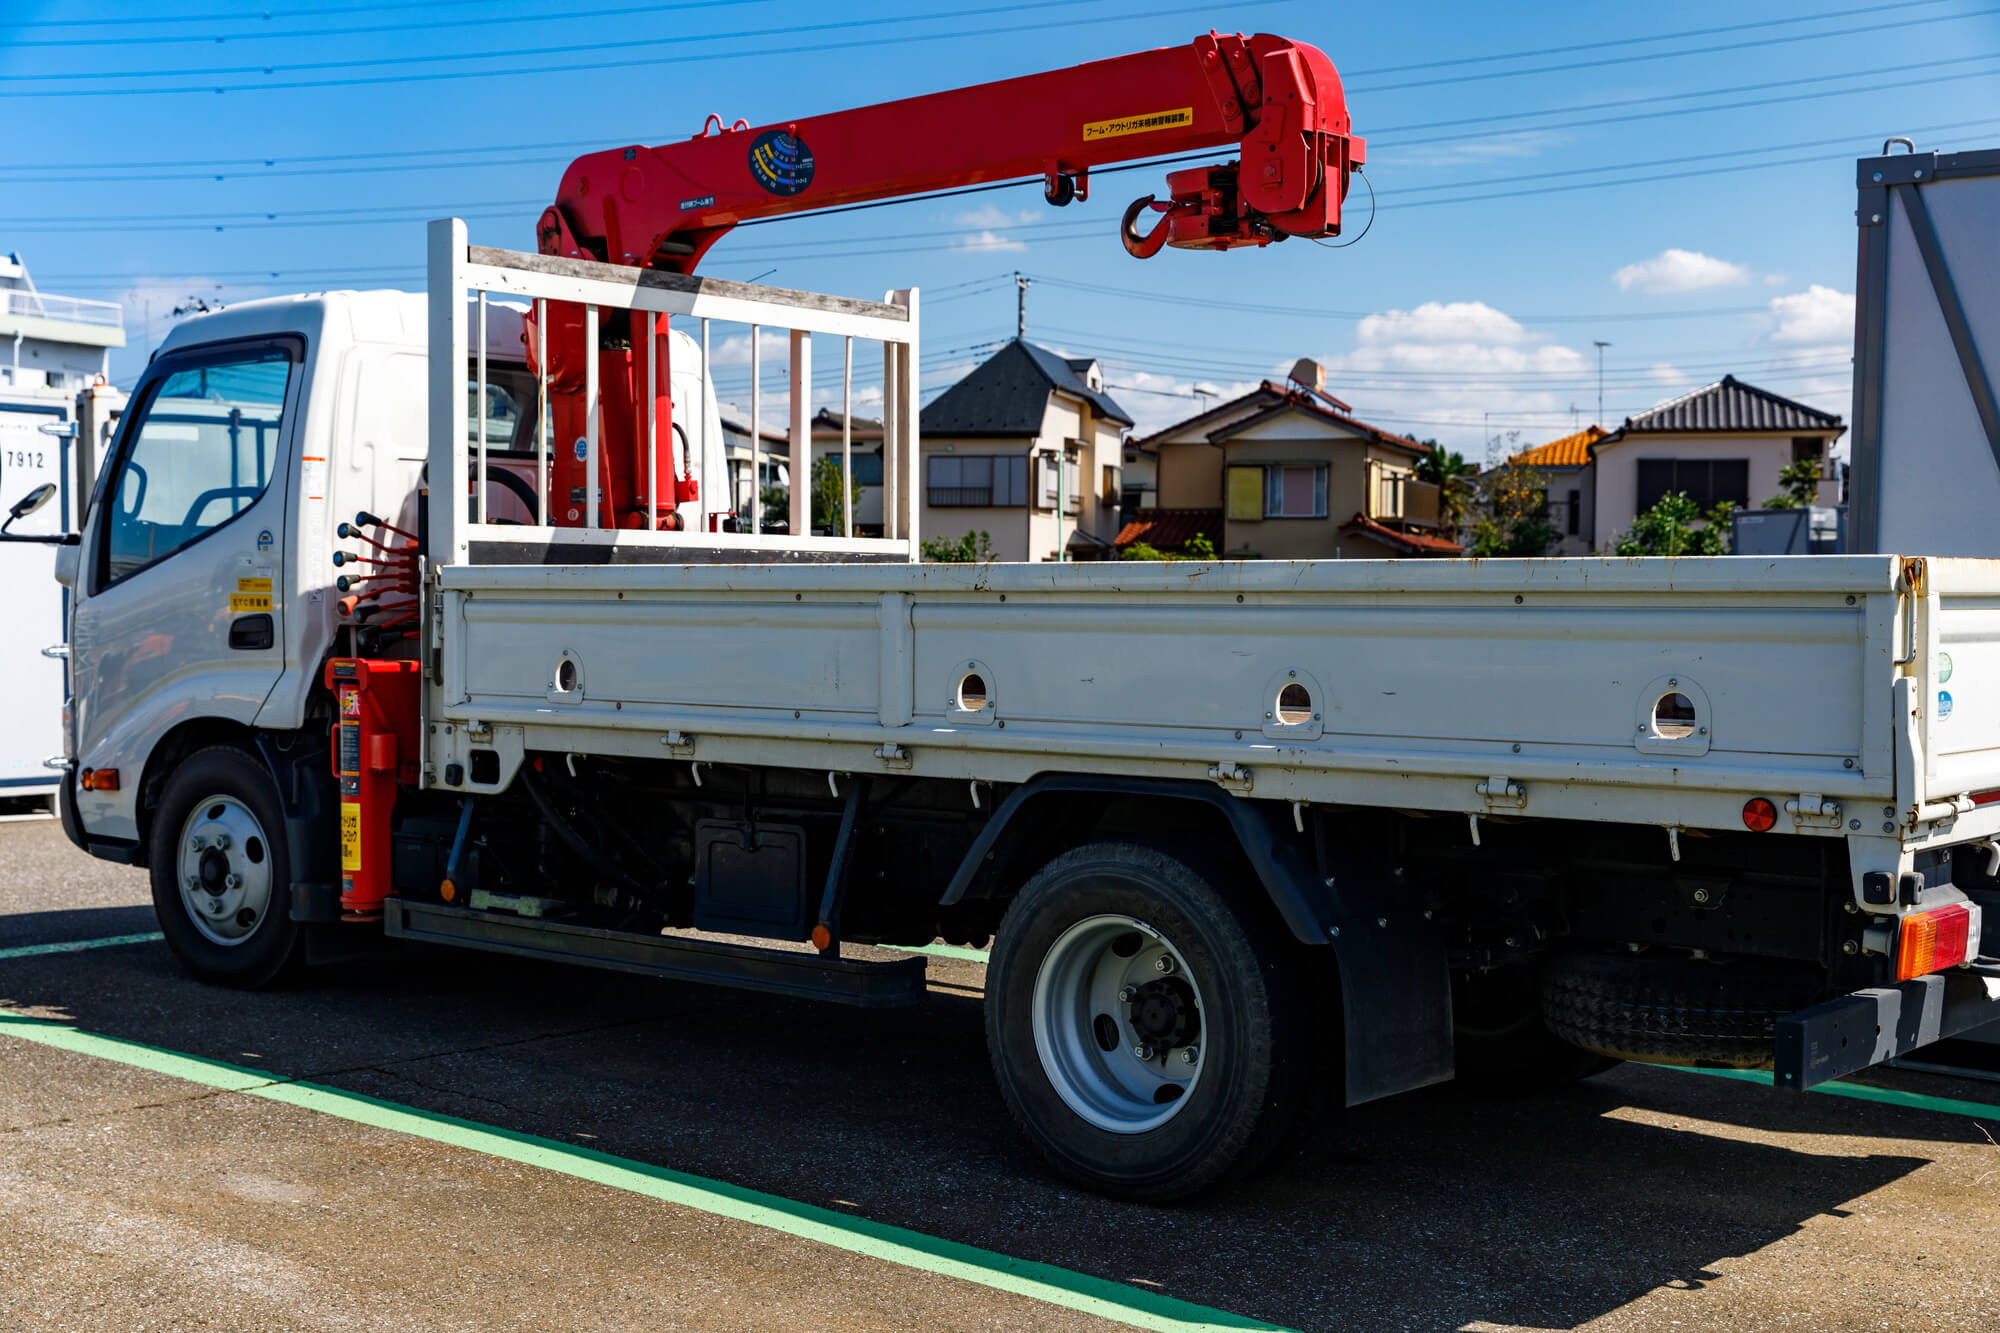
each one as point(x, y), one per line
point(350, 837)
point(253, 585)
point(1178, 119)
point(249, 601)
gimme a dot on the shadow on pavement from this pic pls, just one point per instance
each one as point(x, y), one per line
point(73, 924)
point(1428, 1211)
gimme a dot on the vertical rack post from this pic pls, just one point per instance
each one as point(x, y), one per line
point(543, 430)
point(479, 405)
point(708, 496)
point(446, 277)
point(653, 423)
point(756, 443)
point(847, 438)
point(801, 433)
point(907, 442)
point(892, 475)
point(590, 390)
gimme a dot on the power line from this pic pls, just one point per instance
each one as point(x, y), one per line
point(763, 53)
point(489, 21)
point(1670, 55)
point(239, 16)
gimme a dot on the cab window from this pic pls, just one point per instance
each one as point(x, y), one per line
point(200, 454)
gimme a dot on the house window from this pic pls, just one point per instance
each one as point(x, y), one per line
point(867, 469)
point(1295, 491)
point(1575, 513)
point(1706, 481)
point(979, 481)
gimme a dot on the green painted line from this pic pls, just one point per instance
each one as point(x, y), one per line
point(1859, 1091)
point(76, 946)
point(1081, 1292)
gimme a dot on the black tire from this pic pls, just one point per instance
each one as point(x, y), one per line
point(1674, 1011)
point(1501, 1041)
point(270, 944)
point(1253, 1055)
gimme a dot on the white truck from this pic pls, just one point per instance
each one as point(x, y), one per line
point(1241, 832)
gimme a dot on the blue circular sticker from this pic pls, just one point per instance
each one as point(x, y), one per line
point(781, 164)
point(1944, 705)
point(582, 449)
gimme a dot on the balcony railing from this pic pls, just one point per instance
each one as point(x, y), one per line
point(1403, 497)
point(960, 497)
point(76, 310)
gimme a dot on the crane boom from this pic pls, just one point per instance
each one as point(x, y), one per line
point(1278, 102)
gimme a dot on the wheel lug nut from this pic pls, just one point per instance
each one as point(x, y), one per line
point(232, 881)
point(1190, 1055)
point(222, 841)
point(1127, 993)
point(1163, 964)
point(215, 906)
point(1142, 1051)
point(196, 844)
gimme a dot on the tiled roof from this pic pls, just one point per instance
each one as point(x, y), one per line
point(1569, 451)
point(1270, 391)
point(1730, 405)
point(1170, 529)
point(1314, 404)
point(1008, 394)
point(1416, 543)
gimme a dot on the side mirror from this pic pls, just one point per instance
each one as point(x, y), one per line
point(32, 501)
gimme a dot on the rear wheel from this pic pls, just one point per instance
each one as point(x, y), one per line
point(1142, 1029)
point(221, 887)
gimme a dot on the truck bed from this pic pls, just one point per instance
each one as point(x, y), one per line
point(1519, 688)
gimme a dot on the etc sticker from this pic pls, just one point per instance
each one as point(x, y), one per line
point(582, 449)
point(264, 540)
point(251, 595)
point(1944, 667)
point(1944, 705)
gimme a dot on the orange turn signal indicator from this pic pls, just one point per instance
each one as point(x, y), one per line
point(100, 779)
point(1933, 941)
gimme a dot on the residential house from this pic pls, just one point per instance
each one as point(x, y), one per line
point(52, 346)
point(1026, 448)
point(1571, 487)
point(864, 444)
point(1724, 441)
point(773, 467)
point(1287, 472)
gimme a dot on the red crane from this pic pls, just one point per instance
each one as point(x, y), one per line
point(1279, 102)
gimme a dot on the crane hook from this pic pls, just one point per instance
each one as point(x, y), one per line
point(1143, 245)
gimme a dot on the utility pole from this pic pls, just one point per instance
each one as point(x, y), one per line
point(1021, 283)
point(1600, 346)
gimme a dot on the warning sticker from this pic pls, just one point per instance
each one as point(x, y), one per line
point(249, 601)
point(253, 585)
point(1155, 120)
point(350, 837)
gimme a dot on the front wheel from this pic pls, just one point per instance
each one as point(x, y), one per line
point(1143, 1029)
point(219, 862)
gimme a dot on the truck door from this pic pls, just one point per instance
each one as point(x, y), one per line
point(180, 607)
point(32, 449)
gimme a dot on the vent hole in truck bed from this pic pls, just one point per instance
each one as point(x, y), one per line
point(1295, 704)
point(1673, 716)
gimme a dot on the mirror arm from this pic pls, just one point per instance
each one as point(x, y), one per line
point(53, 539)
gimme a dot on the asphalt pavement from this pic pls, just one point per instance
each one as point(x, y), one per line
point(445, 1141)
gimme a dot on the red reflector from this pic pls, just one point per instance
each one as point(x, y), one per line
point(1933, 941)
point(1759, 815)
point(1986, 797)
point(100, 779)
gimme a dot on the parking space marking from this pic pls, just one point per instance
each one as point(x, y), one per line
point(1763, 1078)
point(74, 946)
point(1081, 1292)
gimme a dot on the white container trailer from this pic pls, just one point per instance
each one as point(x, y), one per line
point(1242, 832)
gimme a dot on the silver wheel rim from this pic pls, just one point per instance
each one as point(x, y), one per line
point(224, 869)
point(1116, 973)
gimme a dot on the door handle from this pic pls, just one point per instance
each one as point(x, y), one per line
point(252, 631)
point(56, 650)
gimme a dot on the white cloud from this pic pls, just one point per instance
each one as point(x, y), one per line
point(1440, 322)
point(1681, 271)
point(1669, 375)
point(989, 240)
point(1522, 144)
point(995, 217)
point(1816, 315)
point(774, 351)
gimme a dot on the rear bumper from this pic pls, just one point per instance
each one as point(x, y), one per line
point(1852, 1032)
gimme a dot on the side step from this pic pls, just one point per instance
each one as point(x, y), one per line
point(775, 971)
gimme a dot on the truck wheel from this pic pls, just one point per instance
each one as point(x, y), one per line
point(1501, 1041)
point(1673, 1011)
point(1142, 1029)
point(219, 865)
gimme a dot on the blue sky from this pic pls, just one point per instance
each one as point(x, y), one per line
point(1676, 181)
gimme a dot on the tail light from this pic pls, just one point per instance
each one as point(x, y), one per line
point(1933, 941)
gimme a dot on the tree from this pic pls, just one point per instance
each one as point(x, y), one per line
point(971, 549)
point(1801, 483)
point(1513, 521)
point(1199, 547)
point(827, 514)
point(1669, 528)
point(777, 502)
point(1453, 476)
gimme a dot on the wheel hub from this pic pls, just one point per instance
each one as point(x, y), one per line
point(1164, 1014)
point(224, 870)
